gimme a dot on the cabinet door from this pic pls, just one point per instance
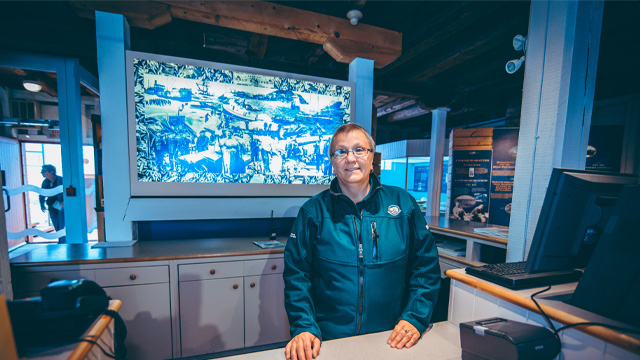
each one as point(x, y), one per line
point(265, 317)
point(211, 316)
point(146, 312)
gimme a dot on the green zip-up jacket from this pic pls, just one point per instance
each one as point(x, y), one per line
point(353, 269)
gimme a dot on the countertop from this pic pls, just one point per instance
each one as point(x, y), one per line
point(463, 228)
point(441, 342)
point(552, 302)
point(69, 254)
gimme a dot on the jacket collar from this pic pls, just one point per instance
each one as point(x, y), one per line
point(335, 190)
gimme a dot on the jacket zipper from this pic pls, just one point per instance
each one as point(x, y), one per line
point(374, 236)
point(361, 270)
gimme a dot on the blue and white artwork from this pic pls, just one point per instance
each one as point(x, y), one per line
point(206, 125)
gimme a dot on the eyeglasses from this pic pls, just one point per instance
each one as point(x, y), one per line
point(343, 153)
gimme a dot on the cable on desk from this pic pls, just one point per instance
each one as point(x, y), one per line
point(557, 331)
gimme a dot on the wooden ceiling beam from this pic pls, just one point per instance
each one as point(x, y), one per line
point(343, 41)
point(50, 86)
point(395, 105)
point(143, 14)
point(258, 46)
point(408, 113)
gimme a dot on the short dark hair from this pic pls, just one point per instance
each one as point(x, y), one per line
point(347, 128)
point(49, 168)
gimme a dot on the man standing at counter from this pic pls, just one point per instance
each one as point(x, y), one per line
point(55, 204)
point(359, 258)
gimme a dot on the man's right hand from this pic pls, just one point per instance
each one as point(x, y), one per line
point(304, 346)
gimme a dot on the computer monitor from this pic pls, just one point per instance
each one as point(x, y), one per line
point(610, 285)
point(574, 214)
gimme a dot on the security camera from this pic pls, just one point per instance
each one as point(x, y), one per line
point(513, 65)
point(520, 43)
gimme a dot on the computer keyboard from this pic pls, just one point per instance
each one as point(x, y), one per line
point(514, 276)
point(503, 269)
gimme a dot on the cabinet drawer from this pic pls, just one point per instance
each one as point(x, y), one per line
point(262, 267)
point(34, 281)
point(132, 276)
point(205, 271)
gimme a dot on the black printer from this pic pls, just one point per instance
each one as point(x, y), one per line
point(502, 339)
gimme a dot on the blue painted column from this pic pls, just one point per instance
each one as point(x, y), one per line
point(557, 100)
point(361, 73)
point(112, 35)
point(69, 109)
point(436, 159)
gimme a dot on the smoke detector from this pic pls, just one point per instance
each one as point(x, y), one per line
point(353, 16)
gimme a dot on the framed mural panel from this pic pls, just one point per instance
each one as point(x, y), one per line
point(207, 129)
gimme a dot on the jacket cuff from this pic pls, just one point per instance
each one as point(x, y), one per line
point(421, 328)
point(314, 332)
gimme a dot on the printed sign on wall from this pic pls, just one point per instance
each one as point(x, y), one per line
point(503, 168)
point(420, 178)
point(470, 185)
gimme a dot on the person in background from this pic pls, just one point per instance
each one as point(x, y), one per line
point(202, 142)
point(360, 258)
point(55, 204)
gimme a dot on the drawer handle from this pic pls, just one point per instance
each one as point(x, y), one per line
point(132, 277)
point(235, 286)
point(273, 267)
point(212, 271)
point(252, 284)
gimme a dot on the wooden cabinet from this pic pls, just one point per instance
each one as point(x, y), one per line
point(477, 247)
point(265, 319)
point(230, 305)
point(143, 290)
point(146, 313)
point(146, 307)
point(185, 307)
point(211, 307)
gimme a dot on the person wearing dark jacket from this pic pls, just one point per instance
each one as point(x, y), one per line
point(55, 204)
point(360, 258)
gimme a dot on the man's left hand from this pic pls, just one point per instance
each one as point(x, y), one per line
point(403, 335)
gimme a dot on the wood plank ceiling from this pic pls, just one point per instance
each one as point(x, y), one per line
point(428, 54)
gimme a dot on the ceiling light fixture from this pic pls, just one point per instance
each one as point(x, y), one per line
point(32, 85)
point(353, 16)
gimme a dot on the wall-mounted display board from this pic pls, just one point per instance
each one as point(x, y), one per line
point(503, 168)
point(470, 185)
point(482, 168)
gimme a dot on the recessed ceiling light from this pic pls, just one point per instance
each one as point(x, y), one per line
point(32, 85)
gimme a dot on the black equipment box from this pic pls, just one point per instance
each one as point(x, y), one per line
point(502, 339)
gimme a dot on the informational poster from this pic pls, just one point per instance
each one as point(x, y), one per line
point(420, 178)
point(604, 151)
point(470, 185)
point(503, 168)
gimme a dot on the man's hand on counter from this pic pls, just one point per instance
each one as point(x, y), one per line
point(304, 346)
point(403, 335)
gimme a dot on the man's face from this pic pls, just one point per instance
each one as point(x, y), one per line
point(352, 169)
point(47, 174)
